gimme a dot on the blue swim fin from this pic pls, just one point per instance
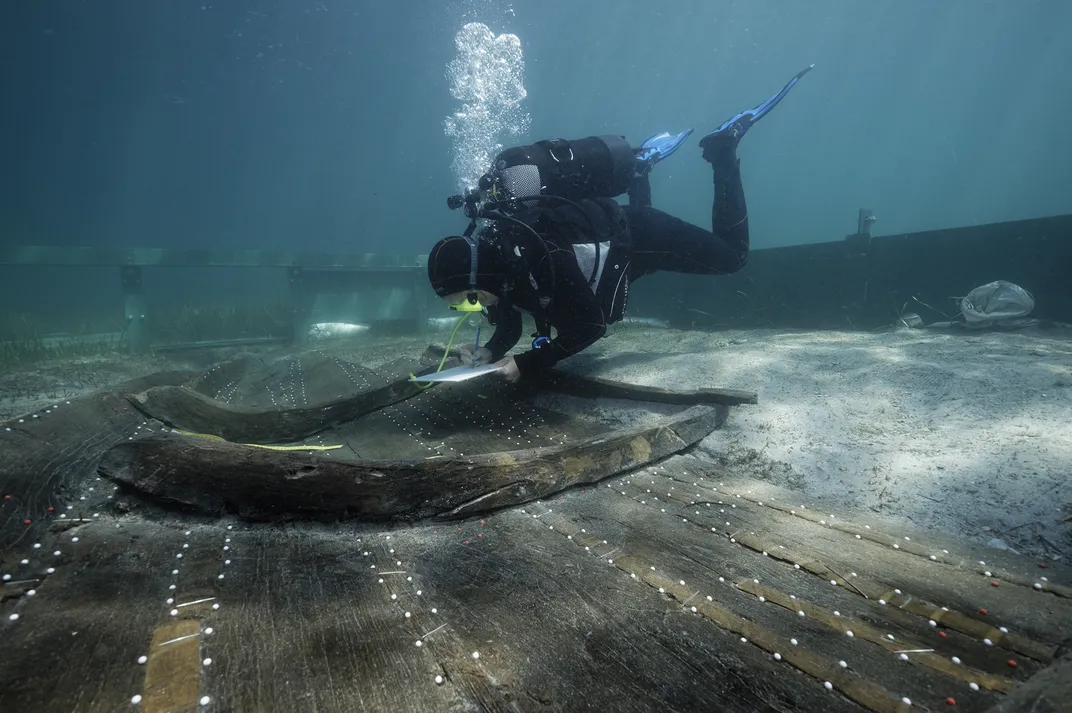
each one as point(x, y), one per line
point(657, 148)
point(733, 129)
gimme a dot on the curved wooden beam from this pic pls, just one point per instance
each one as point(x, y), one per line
point(189, 410)
point(259, 484)
point(596, 387)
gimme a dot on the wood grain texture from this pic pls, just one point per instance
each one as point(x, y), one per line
point(50, 458)
point(543, 593)
point(76, 643)
point(599, 387)
point(596, 387)
point(559, 629)
point(1049, 691)
point(587, 598)
point(304, 624)
point(184, 408)
point(219, 477)
point(1035, 619)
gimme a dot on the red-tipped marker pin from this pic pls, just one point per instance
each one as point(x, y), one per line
point(50, 508)
point(951, 701)
point(1042, 564)
point(941, 634)
point(7, 497)
point(25, 522)
point(994, 582)
point(1012, 663)
point(983, 612)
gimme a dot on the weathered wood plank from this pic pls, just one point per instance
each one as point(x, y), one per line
point(459, 420)
point(946, 580)
point(948, 548)
point(596, 387)
point(1049, 691)
point(216, 476)
point(560, 629)
point(305, 625)
point(710, 564)
point(190, 410)
point(77, 639)
point(838, 608)
point(599, 387)
point(47, 458)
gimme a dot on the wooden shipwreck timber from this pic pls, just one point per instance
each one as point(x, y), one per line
point(309, 534)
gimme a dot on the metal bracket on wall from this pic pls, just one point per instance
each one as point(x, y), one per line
point(854, 278)
point(134, 309)
point(860, 241)
point(303, 298)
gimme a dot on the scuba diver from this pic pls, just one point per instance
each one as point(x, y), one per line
point(553, 242)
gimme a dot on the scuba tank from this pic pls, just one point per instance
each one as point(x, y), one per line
point(595, 167)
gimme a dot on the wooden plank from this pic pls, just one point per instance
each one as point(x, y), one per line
point(459, 420)
point(556, 618)
point(896, 563)
point(557, 628)
point(1049, 691)
point(183, 408)
point(77, 640)
point(838, 608)
point(48, 459)
point(596, 387)
point(216, 477)
point(751, 526)
point(293, 378)
point(665, 549)
point(305, 625)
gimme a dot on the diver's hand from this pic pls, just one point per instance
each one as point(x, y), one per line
point(508, 370)
point(481, 356)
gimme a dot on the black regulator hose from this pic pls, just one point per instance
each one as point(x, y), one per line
point(498, 215)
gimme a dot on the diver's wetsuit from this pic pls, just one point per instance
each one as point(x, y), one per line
point(664, 242)
point(641, 240)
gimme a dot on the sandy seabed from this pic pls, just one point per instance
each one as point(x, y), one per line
point(955, 432)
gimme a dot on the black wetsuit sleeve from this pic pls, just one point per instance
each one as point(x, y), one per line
point(575, 314)
point(507, 331)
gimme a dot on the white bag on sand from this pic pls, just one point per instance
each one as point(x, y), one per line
point(996, 304)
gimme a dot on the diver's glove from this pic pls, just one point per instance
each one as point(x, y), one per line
point(482, 355)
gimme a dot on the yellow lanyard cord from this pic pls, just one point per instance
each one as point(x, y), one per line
point(450, 343)
point(258, 445)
